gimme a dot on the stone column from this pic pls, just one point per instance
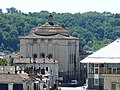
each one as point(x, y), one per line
point(10, 86)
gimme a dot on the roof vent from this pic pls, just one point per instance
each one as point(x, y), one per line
point(118, 41)
point(50, 19)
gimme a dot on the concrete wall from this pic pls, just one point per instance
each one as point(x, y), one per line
point(61, 50)
point(7, 69)
point(112, 79)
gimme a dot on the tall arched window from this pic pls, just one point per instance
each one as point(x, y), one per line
point(28, 88)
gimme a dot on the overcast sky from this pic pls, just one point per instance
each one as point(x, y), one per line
point(61, 6)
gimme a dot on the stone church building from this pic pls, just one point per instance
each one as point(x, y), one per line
point(53, 41)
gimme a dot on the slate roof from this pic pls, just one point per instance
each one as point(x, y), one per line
point(107, 54)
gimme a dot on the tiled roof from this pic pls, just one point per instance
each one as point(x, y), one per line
point(10, 78)
point(25, 75)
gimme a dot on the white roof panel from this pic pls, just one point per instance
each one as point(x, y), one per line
point(107, 54)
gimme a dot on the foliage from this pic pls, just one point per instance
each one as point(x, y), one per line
point(3, 62)
point(94, 29)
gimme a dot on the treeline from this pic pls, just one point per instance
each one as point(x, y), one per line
point(94, 29)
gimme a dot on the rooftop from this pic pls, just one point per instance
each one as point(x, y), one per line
point(107, 54)
point(55, 36)
point(49, 30)
point(10, 78)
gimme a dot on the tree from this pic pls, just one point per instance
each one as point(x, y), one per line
point(12, 10)
point(3, 62)
point(93, 28)
point(1, 11)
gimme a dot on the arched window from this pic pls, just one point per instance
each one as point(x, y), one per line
point(42, 55)
point(46, 68)
point(34, 55)
point(28, 88)
point(50, 56)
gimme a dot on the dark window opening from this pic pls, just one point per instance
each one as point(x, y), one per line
point(96, 65)
point(43, 71)
point(17, 86)
point(49, 39)
point(42, 55)
point(34, 55)
point(118, 70)
point(3, 86)
point(96, 70)
point(46, 68)
point(28, 88)
point(101, 65)
point(49, 56)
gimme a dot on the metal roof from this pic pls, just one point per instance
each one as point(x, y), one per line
point(107, 54)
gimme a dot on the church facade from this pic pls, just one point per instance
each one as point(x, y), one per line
point(53, 41)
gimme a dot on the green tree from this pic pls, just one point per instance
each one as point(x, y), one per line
point(3, 62)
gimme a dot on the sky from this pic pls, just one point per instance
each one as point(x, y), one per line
point(62, 6)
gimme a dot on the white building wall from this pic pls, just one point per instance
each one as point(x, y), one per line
point(60, 49)
point(50, 48)
point(35, 49)
point(112, 79)
point(22, 47)
point(56, 51)
point(63, 56)
point(43, 48)
point(30, 49)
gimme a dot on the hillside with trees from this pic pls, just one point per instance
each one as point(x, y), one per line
point(94, 29)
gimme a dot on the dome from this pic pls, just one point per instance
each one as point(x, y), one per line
point(50, 28)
